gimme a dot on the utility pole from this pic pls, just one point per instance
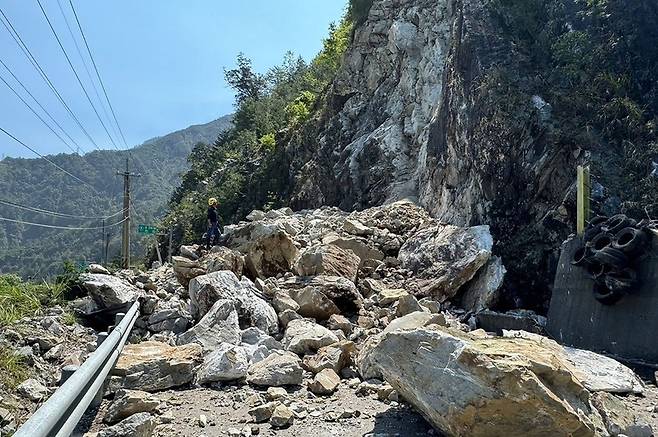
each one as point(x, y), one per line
point(103, 244)
point(107, 246)
point(125, 240)
point(170, 244)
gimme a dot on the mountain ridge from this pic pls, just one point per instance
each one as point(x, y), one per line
point(32, 251)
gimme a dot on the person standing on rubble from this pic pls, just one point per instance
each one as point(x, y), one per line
point(212, 236)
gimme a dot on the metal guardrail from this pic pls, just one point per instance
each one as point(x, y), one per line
point(60, 414)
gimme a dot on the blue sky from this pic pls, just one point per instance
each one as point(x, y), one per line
point(161, 61)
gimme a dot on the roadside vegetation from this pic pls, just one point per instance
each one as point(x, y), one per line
point(20, 298)
point(13, 370)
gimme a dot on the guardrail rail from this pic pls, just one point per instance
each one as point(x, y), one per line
point(60, 414)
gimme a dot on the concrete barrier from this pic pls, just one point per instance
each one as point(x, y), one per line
point(627, 330)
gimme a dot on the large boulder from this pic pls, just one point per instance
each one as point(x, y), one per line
point(258, 345)
point(223, 258)
point(227, 362)
point(108, 291)
point(328, 260)
point(482, 292)
point(415, 320)
point(305, 336)
point(620, 420)
point(320, 297)
point(268, 248)
point(252, 310)
point(360, 246)
point(219, 325)
point(185, 269)
point(171, 316)
point(444, 257)
point(600, 373)
point(278, 369)
point(472, 386)
point(153, 366)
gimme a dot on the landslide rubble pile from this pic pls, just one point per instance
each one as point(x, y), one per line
point(384, 302)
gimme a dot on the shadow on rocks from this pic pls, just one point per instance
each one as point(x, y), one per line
point(402, 421)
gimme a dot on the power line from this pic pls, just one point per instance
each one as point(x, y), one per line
point(98, 75)
point(84, 90)
point(56, 214)
point(84, 64)
point(37, 114)
point(46, 159)
point(26, 51)
point(69, 228)
point(39, 104)
point(107, 98)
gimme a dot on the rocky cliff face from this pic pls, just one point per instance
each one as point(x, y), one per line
point(418, 111)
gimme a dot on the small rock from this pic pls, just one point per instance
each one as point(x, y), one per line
point(407, 304)
point(262, 413)
point(281, 417)
point(336, 321)
point(365, 322)
point(275, 393)
point(279, 368)
point(384, 392)
point(304, 336)
point(348, 414)
point(137, 425)
point(202, 421)
point(33, 390)
point(287, 316)
point(282, 302)
point(325, 383)
point(388, 296)
point(355, 227)
point(97, 268)
point(128, 402)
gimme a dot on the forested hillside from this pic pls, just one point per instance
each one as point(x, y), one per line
point(36, 251)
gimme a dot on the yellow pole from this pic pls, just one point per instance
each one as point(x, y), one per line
point(582, 199)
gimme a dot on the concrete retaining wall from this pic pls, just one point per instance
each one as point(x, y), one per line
point(628, 329)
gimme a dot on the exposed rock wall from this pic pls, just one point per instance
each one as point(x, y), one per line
point(418, 111)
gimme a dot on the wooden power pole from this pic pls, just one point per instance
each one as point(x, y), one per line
point(125, 238)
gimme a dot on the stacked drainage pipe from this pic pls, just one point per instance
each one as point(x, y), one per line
point(611, 250)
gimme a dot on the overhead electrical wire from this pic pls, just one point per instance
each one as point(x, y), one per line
point(68, 59)
point(57, 214)
point(69, 228)
point(86, 67)
point(40, 105)
point(107, 98)
point(26, 51)
point(47, 160)
point(98, 75)
point(37, 114)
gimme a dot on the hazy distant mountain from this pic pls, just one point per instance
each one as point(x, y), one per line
point(37, 251)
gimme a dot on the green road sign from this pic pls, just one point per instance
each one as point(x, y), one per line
point(146, 229)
